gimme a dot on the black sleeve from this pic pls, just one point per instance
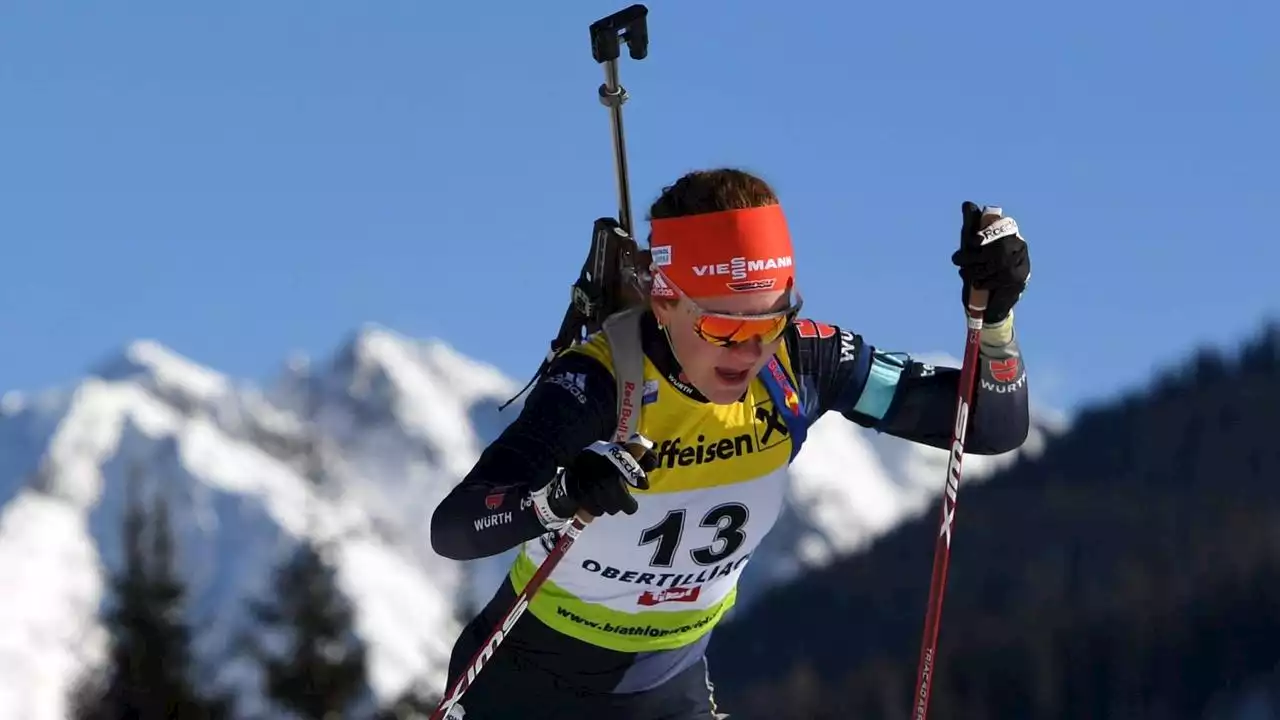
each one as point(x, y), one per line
point(897, 395)
point(489, 512)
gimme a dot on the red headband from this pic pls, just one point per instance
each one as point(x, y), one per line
point(721, 253)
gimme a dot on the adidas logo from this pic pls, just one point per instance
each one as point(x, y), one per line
point(575, 383)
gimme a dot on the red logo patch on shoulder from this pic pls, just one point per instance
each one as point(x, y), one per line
point(493, 500)
point(806, 328)
point(1004, 370)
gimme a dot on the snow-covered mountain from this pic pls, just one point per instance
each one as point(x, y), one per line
point(357, 450)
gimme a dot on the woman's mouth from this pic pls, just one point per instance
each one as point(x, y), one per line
point(731, 377)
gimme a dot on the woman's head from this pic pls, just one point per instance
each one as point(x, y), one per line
point(723, 277)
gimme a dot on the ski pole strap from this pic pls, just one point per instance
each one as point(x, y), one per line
point(623, 331)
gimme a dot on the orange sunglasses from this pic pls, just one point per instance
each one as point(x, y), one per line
point(729, 329)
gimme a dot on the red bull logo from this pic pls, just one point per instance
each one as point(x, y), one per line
point(789, 395)
point(791, 399)
point(628, 408)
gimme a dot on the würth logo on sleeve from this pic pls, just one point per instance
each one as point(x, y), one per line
point(1004, 370)
point(491, 521)
point(493, 500)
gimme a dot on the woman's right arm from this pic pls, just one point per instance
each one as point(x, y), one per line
point(492, 510)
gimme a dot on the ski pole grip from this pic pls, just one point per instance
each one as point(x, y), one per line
point(977, 304)
point(636, 447)
point(629, 25)
point(977, 300)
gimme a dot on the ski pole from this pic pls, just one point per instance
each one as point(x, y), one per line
point(977, 305)
point(580, 521)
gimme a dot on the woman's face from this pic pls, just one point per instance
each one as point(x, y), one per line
point(720, 373)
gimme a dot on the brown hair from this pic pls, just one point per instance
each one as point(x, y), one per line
point(705, 191)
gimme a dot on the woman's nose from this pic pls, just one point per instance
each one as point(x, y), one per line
point(747, 349)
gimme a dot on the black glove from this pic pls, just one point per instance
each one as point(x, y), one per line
point(597, 481)
point(1001, 266)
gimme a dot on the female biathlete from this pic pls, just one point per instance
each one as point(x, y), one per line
point(732, 377)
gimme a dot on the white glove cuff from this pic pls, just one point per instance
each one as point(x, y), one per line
point(542, 506)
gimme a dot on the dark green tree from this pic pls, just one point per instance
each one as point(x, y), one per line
point(413, 704)
point(150, 674)
point(320, 674)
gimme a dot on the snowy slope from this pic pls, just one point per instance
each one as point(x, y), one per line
point(357, 449)
point(231, 466)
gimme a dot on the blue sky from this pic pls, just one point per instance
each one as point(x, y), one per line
point(240, 180)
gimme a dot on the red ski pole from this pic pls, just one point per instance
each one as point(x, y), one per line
point(570, 535)
point(977, 305)
point(464, 681)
